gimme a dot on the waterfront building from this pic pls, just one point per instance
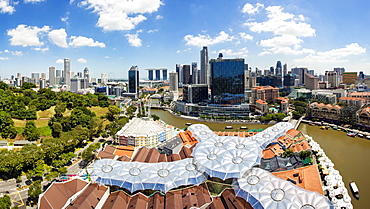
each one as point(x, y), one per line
point(311, 82)
point(205, 77)
point(164, 74)
point(139, 132)
point(157, 74)
point(133, 80)
point(363, 117)
point(228, 77)
point(195, 93)
point(150, 74)
point(322, 111)
point(349, 77)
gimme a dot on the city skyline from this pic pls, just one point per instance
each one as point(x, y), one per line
point(111, 37)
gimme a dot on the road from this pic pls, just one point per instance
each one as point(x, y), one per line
point(9, 187)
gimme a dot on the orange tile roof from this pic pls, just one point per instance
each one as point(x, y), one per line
point(302, 146)
point(308, 177)
point(261, 102)
point(272, 150)
point(124, 150)
point(187, 138)
point(352, 98)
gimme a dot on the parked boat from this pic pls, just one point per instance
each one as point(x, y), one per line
point(228, 127)
point(312, 124)
point(367, 137)
point(188, 124)
point(361, 135)
point(243, 127)
point(354, 189)
point(352, 134)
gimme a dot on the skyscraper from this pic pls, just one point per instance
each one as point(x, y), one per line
point(35, 76)
point(204, 67)
point(186, 74)
point(285, 69)
point(87, 74)
point(150, 74)
point(164, 74)
point(194, 73)
point(67, 73)
point(174, 82)
point(52, 76)
point(278, 69)
point(157, 74)
point(133, 80)
point(332, 78)
point(227, 82)
point(104, 78)
point(180, 78)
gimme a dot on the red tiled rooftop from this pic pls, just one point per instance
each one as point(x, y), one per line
point(89, 198)
point(187, 138)
point(302, 146)
point(308, 177)
point(124, 150)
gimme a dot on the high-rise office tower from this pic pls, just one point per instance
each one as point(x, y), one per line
point(194, 73)
point(339, 70)
point(164, 74)
point(300, 72)
point(87, 74)
point(204, 67)
point(67, 73)
point(133, 80)
point(43, 76)
point(186, 74)
point(332, 78)
point(19, 75)
point(279, 68)
point(174, 82)
point(104, 78)
point(52, 76)
point(35, 76)
point(227, 82)
point(179, 74)
point(285, 69)
point(272, 71)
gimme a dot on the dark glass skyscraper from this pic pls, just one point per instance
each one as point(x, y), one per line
point(133, 80)
point(279, 69)
point(227, 81)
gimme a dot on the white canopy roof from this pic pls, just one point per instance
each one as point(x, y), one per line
point(264, 190)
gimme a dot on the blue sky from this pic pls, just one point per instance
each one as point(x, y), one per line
point(109, 36)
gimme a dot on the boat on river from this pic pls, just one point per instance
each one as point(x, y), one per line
point(188, 124)
point(354, 190)
point(352, 134)
point(243, 127)
point(228, 127)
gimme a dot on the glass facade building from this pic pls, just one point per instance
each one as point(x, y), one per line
point(227, 81)
point(133, 80)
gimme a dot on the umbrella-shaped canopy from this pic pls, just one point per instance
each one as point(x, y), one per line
point(273, 192)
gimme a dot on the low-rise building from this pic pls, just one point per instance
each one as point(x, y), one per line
point(139, 132)
point(323, 111)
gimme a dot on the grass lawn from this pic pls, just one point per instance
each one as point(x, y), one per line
point(47, 113)
point(99, 111)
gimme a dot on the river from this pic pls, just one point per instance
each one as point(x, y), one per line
point(348, 154)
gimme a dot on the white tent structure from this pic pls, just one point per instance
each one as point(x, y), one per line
point(264, 190)
point(215, 156)
point(139, 176)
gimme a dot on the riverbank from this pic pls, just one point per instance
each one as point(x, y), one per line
point(255, 122)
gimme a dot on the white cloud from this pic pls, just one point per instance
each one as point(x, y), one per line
point(121, 15)
point(5, 7)
point(153, 31)
point(250, 9)
point(33, 1)
point(106, 57)
point(59, 61)
point(81, 60)
point(282, 23)
point(41, 49)
point(178, 51)
point(281, 41)
point(243, 52)
point(246, 36)
point(158, 17)
point(65, 18)
point(27, 35)
point(15, 53)
point(287, 50)
point(59, 37)
point(77, 41)
point(133, 39)
point(206, 40)
point(334, 55)
point(4, 58)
